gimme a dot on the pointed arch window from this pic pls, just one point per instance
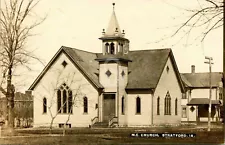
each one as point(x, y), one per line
point(85, 99)
point(176, 106)
point(158, 106)
point(138, 105)
point(167, 104)
point(64, 99)
point(107, 47)
point(122, 106)
point(44, 105)
point(112, 48)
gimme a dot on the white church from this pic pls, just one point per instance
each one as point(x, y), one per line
point(117, 87)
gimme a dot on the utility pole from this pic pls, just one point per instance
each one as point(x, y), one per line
point(210, 90)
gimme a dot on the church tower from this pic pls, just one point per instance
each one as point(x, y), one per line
point(113, 71)
point(113, 40)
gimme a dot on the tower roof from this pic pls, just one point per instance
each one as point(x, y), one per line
point(113, 25)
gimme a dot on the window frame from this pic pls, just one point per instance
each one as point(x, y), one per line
point(64, 94)
point(44, 105)
point(123, 105)
point(85, 105)
point(167, 104)
point(182, 115)
point(138, 106)
point(158, 106)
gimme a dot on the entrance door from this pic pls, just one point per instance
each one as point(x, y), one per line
point(108, 107)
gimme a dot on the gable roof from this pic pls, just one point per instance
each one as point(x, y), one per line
point(147, 66)
point(83, 60)
point(144, 71)
point(201, 80)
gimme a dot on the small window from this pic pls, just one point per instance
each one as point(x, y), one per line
point(107, 47)
point(112, 48)
point(184, 112)
point(158, 105)
point(220, 93)
point(85, 105)
point(122, 101)
point(167, 69)
point(184, 96)
point(138, 105)
point(176, 106)
point(44, 105)
point(64, 63)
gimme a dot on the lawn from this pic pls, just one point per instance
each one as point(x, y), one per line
point(112, 136)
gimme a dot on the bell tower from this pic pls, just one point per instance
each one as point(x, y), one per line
point(113, 40)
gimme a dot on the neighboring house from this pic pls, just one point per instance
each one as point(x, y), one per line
point(115, 87)
point(195, 101)
point(23, 109)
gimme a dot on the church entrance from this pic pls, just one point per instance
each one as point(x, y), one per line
point(108, 107)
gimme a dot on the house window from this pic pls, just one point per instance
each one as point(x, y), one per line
point(184, 96)
point(220, 93)
point(167, 105)
point(176, 106)
point(85, 105)
point(122, 101)
point(64, 99)
point(138, 105)
point(158, 105)
point(184, 112)
point(44, 105)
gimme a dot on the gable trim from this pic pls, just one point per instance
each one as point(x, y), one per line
point(175, 68)
point(52, 61)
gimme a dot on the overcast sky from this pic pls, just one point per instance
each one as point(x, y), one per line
point(79, 23)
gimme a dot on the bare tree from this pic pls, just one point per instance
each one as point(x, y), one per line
point(15, 30)
point(209, 15)
point(206, 17)
point(73, 100)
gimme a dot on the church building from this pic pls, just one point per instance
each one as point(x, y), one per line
point(117, 87)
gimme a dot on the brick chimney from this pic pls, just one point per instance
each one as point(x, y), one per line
point(192, 68)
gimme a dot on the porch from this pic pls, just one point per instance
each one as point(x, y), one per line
point(202, 108)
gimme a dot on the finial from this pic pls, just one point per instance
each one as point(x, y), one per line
point(113, 5)
point(103, 31)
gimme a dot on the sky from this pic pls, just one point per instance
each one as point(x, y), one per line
point(79, 23)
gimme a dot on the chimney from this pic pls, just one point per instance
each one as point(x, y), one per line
point(192, 68)
point(28, 92)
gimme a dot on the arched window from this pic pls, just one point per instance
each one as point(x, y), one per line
point(112, 48)
point(176, 106)
point(167, 105)
point(85, 105)
point(158, 105)
point(64, 99)
point(122, 106)
point(138, 105)
point(107, 47)
point(44, 105)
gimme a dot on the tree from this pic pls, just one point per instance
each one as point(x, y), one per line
point(15, 30)
point(73, 85)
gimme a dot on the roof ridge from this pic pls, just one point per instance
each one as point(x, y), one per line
point(201, 72)
point(161, 49)
point(78, 49)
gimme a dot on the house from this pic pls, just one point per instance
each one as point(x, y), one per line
point(195, 102)
point(116, 87)
point(23, 109)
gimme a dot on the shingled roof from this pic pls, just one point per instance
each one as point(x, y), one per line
point(144, 71)
point(146, 67)
point(201, 80)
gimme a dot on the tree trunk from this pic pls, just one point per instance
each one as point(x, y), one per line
point(10, 99)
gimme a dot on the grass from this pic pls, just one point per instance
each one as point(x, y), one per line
point(111, 136)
